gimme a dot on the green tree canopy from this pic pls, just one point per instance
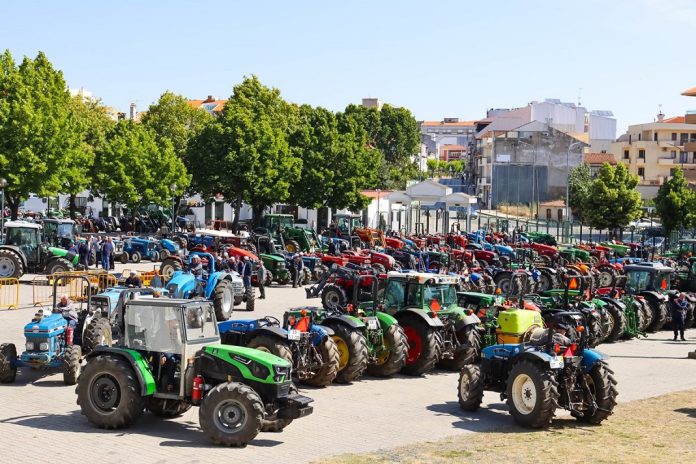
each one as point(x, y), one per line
point(675, 203)
point(38, 138)
point(613, 200)
point(579, 183)
point(134, 170)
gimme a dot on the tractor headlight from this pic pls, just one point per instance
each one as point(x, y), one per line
point(259, 370)
point(43, 346)
point(30, 346)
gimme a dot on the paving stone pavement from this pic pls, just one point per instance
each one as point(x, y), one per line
point(39, 414)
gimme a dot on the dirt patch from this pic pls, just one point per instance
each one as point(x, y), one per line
point(653, 430)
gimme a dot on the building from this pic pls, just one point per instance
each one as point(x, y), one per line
point(652, 150)
point(372, 103)
point(453, 152)
point(211, 104)
point(596, 160)
point(448, 132)
point(552, 210)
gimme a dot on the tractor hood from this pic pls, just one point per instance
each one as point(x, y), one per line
point(48, 326)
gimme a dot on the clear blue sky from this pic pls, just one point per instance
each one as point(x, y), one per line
point(454, 58)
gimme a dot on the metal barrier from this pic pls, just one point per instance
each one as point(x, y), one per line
point(72, 285)
point(9, 293)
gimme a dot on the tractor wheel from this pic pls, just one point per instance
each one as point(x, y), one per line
point(97, 333)
point(108, 393)
point(284, 280)
point(272, 423)
point(379, 269)
point(163, 254)
point(619, 326)
point(306, 277)
point(532, 394)
point(135, 257)
point(470, 338)
point(8, 360)
point(643, 307)
point(58, 265)
point(689, 320)
point(231, 414)
point(124, 258)
point(273, 345)
point(423, 346)
point(393, 355)
point(223, 300)
point(166, 408)
point(606, 277)
point(660, 312)
point(11, 265)
point(352, 352)
point(250, 298)
point(333, 296)
point(545, 282)
point(503, 281)
point(329, 370)
point(292, 247)
point(71, 364)
point(470, 387)
point(603, 387)
point(269, 279)
point(593, 261)
point(319, 271)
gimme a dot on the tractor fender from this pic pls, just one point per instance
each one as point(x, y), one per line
point(137, 361)
point(590, 358)
point(385, 320)
point(350, 321)
point(535, 356)
point(654, 295)
point(618, 303)
point(467, 320)
point(273, 331)
point(430, 321)
point(18, 251)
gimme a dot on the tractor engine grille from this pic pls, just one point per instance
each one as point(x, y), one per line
point(37, 344)
point(238, 288)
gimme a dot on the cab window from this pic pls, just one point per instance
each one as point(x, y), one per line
point(394, 294)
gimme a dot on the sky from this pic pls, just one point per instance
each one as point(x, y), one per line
point(439, 58)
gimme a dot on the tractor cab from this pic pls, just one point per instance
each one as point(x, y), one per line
point(431, 293)
point(687, 248)
point(59, 232)
point(346, 223)
point(652, 277)
point(685, 277)
point(27, 237)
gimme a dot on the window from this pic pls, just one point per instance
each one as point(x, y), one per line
point(200, 323)
point(674, 136)
point(560, 215)
point(655, 136)
point(641, 172)
point(683, 138)
point(639, 137)
point(548, 214)
point(641, 154)
point(693, 136)
point(627, 154)
point(673, 154)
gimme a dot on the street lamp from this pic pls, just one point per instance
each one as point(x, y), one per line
point(3, 184)
point(172, 188)
point(379, 217)
point(567, 198)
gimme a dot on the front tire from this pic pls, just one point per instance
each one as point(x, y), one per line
point(223, 300)
point(8, 360)
point(250, 297)
point(470, 387)
point(333, 296)
point(231, 414)
point(352, 353)
point(393, 357)
point(168, 267)
point(59, 265)
point(97, 333)
point(135, 257)
point(471, 339)
point(108, 393)
point(71, 364)
point(532, 394)
point(329, 370)
point(619, 327)
point(603, 386)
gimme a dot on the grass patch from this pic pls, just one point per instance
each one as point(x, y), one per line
point(653, 430)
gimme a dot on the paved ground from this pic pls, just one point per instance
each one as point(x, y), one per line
point(38, 410)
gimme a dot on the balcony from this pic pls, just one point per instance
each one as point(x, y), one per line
point(665, 161)
point(690, 146)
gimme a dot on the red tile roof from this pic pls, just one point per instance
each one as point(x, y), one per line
point(554, 204)
point(675, 120)
point(373, 193)
point(452, 147)
point(219, 104)
point(599, 158)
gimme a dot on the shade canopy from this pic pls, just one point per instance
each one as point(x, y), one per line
point(428, 192)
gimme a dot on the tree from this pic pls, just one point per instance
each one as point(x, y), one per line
point(613, 200)
point(579, 183)
point(244, 154)
point(675, 203)
point(173, 119)
point(38, 138)
point(133, 170)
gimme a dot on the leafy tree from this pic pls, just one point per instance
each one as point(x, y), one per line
point(172, 119)
point(244, 154)
point(579, 183)
point(38, 138)
point(675, 203)
point(433, 166)
point(132, 169)
point(613, 200)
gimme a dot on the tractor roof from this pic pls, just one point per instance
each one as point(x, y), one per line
point(649, 267)
point(424, 277)
point(166, 302)
point(59, 221)
point(25, 224)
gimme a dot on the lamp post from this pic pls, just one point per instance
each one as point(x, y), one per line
point(379, 217)
point(3, 184)
point(172, 188)
point(567, 198)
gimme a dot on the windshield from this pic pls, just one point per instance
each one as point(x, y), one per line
point(273, 222)
point(446, 295)
point(153, 328)
point(637, 281)
point(24, 238)
point(200, 323)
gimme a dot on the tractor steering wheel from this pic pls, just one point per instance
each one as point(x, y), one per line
point(269, 321)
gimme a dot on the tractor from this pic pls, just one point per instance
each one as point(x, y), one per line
point(171, 358)
point(651, 281)
point(59, 233)
point(139, 248)
point(343, 227)
point(555, 368)
point(25, 250)
point(307, 346)
point(220, 287)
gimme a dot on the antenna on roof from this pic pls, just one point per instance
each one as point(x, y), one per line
point(580, 96)
point(660, 114)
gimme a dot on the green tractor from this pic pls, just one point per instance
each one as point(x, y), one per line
point(652, 282)
point(59, 232)
point(25, 250)
point(572, 255)
point(437, 329)
point(280, 228)
point(276, 268)
point(170, 358)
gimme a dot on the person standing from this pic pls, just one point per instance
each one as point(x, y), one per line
point(83, 252)
point(678, 306)
point(261, 276)
point(332, 247)
point(246, 273)
point(107, 252)
point(298, 267)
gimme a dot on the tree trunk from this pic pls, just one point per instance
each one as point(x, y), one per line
point(72, 206)
point(237, 205)
point(12, 202)
point(257, 214)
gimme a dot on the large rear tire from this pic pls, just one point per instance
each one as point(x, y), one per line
point(169, 266)
point(333, 296)
point(272, 345)
point(532, 394)
point(423, 346)
point(8, 360)
point(165, 407)
point(470, 338)
point(231, 414)
point(619, 327)
point(660, 315)
point(223, 300)
point(97, 333)
point(11, 265)
point(470, 387)
point(603, 386)
point(393, 357)
point(108, 393)
point(250, 298)
point(352, 352)
point(329, 370)
point(71, 364)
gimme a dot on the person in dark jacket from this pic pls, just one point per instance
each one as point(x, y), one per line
point(83, 252)
point(678, 306)
point(298, 267)
point(261, 276)
point(107, 252)
point(133, 280)
point(246, 273)
point(332, 248)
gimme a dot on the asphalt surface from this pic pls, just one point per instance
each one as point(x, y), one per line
point(39, 414)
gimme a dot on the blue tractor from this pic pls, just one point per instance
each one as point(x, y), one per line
point(51, 342)
point(548, 368)
point(138, 248)
point(308, 346)
point(221, 287)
